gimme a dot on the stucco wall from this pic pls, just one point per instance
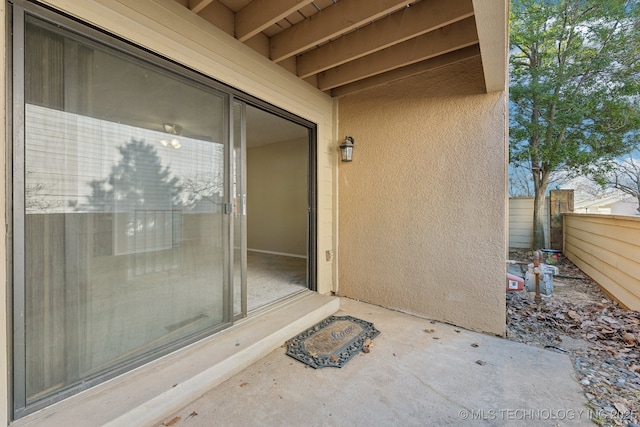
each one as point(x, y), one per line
point(277, 197)
point(422, 207)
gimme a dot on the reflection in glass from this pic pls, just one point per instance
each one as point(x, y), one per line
point(124, 227)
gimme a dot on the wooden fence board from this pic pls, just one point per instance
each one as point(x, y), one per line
point(607, 248)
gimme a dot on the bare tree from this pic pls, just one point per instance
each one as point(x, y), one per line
point(206, 187)
point(585, 187)
point(520, 184)
point(625, 176)
point(39, 197)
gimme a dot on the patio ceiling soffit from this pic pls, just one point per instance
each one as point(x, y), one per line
point(343, 46)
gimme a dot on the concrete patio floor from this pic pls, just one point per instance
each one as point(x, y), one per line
point(411, 378)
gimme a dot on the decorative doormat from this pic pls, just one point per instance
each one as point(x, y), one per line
point(332, 342)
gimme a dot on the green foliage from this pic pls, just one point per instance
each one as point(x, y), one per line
point(575, 84)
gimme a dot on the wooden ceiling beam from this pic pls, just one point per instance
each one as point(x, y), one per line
point(261, 14)
point(408, 71)
point(443, 40)
point(197, 5)
point(220, 16)
point(329, 23)
point(411, 22)
point(494, 44)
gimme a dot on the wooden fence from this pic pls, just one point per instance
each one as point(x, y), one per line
point(607, 248)
point(521, 223)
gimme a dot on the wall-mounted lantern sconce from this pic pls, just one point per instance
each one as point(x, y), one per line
point(346, 149)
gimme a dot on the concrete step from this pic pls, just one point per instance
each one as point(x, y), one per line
point(145, 396)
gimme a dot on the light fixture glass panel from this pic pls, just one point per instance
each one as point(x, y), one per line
point(347, 153)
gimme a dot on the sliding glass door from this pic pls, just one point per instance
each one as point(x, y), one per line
point(272, 207)
point(278, 206)
point(131, 197)
point(120, 211)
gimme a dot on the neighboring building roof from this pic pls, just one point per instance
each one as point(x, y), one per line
point(603, 201)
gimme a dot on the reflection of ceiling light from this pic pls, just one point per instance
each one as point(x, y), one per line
point(174, 143)
point(172, 128)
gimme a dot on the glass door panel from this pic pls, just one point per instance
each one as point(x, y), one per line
point(277, 207)
point(125, 232)
point(270, 191)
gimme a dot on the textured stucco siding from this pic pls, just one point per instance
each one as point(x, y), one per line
point(607, 248)
point(422, 207)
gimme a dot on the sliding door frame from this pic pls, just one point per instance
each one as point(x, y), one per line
point(19, 12)
point(17, 9)
point(312, 178)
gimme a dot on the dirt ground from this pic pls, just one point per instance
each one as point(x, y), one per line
point(602, 339)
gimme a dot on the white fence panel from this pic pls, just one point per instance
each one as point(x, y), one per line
point(521, 223)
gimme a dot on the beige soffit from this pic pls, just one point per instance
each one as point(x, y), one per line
point(343, 46)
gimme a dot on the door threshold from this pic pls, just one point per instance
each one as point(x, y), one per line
point(276, 304)
point(148, 394)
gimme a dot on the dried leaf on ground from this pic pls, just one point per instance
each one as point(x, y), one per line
point(602, 339)
point(171, 422)
point(572, 314)
point(629, 338)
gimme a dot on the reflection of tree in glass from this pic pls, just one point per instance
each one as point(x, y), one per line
point(203, 187)
point(138, 180)
point(38, 196)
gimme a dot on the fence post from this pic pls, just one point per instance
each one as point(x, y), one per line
point(560, 201)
